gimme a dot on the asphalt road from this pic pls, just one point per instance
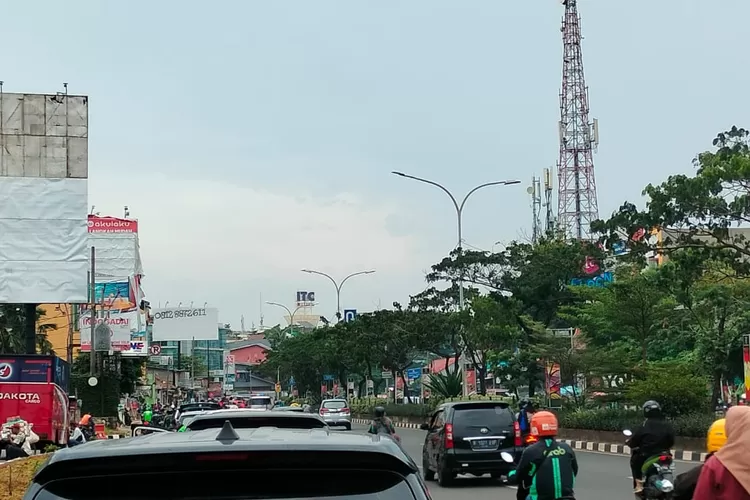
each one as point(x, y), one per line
point(601, 475)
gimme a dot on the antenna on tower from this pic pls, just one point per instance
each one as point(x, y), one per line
point(261, 310)
point(577, 204)
point(549, 219)
point(536, 207)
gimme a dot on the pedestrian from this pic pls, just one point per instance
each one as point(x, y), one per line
point(726, 474)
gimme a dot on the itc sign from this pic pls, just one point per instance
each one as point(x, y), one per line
point(305, 298)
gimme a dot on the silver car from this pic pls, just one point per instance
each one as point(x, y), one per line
point(336, 412)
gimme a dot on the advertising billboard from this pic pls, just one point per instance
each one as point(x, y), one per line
point(185, 323)
point(35, 370)
point(115, 295)
point(98, 224)
point(44, 188)
point(120, 324)
point(139, 346)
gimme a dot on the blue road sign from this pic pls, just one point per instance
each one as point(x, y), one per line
point(350, 314)
point(413, 373)
point(328, 378)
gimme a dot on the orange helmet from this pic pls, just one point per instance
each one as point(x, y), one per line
point(543, 424)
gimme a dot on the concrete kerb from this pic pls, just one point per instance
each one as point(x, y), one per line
point(614, 449)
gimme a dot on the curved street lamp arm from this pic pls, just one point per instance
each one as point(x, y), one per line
point(312, 271)
point(486, 184)
point(352, 275)
point(278, 304)
point(433, 183)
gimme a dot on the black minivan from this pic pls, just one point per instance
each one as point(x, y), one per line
point(467, 438)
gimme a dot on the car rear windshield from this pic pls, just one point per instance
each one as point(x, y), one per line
point(260, 401)
point(468, 417)
point(334, 404)
point(233, 484)
point(253, 423)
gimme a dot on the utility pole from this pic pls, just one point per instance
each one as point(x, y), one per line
point(577, 203)
point(92, 285)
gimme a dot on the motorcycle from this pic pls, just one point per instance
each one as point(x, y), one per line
point(658, 474)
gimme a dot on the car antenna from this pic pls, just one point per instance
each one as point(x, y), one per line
point(227, 432)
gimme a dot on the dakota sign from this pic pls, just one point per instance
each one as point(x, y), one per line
point(27, 397)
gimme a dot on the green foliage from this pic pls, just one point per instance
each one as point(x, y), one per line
point(50, 448)
point(674, 386)
point(616, 420)
point(445, 385)
point(12, 324)
point(116, 376)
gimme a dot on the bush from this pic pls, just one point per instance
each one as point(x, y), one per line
point(677, 390)
point(616, 420)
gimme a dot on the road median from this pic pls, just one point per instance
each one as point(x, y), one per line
point(586, 446)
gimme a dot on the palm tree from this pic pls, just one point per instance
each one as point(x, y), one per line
point(12, 322)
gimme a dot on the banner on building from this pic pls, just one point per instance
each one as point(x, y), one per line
point(185, 323)
point(122, 325)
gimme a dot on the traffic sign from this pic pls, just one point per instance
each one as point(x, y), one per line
point(414, 373)
point(329, 378)
point(155, 349)
point(350, 315)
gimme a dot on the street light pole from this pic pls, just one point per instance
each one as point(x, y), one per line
point(291, 313)
point(338, 286)
point(459, 213)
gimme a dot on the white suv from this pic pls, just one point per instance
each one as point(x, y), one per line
point(336, 412)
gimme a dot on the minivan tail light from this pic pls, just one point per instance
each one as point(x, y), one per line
point(344, 410)
point(448, 436)
point(517, 432)
point(323, 410)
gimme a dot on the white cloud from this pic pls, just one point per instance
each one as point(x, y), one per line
point(204, 240)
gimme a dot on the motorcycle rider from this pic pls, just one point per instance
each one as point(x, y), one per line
point(524, 415)
point(381, 424)
point(548, 468)
point(684, 485)
point(655, 436)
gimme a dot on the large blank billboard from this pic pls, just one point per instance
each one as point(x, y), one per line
point(43, 198)
point(185, 323)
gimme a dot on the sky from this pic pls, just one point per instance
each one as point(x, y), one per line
point(256, 138)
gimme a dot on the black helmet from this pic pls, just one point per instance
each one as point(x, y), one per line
point(379, 411)
point(651, 409)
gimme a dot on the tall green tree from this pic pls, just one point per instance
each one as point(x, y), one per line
point(695, 212)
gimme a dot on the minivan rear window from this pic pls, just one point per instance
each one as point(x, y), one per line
point(260, 401)
point(494, 417)
point(275, 484)
point(334, 404)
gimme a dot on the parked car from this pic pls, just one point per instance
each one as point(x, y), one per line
point(336, 412)
point(468, 438)
point(228, 463)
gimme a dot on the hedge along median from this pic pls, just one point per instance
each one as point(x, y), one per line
point(599, 424)
point(16, 475)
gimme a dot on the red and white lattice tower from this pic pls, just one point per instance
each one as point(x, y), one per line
point(577, 204)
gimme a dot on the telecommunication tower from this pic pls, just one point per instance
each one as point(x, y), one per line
point(576, 205)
